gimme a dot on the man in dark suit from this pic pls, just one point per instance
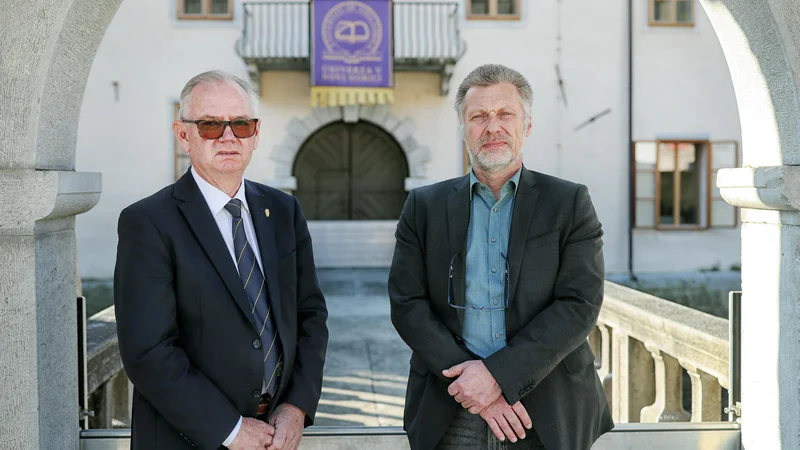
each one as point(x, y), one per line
point(496, 282)
point(221, 322)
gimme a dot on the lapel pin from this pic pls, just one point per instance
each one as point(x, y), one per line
point(266, 212)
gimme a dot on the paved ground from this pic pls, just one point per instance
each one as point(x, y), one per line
point(366, 369)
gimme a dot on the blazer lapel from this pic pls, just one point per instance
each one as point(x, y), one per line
point(458, 214)
point(264, 227)
point(195, 210)
point(524, 207)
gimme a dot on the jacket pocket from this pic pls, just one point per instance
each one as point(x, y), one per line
point(579, 359)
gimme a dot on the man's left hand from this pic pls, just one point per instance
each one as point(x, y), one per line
point(475, 387)
point(288, 421)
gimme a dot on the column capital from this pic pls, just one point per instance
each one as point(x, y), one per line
point(774, 188)
point(28, 195)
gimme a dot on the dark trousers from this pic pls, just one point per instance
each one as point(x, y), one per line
point(471, 432)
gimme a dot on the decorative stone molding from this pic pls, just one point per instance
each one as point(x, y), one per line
point(299, 130)
point(59, 194)
point(767, 188)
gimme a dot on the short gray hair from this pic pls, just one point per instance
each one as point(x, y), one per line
point(215, 76)
point(491, 74)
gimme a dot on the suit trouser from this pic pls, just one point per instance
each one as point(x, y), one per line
point(471, 432)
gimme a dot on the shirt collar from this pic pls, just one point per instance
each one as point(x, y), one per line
point(215, 198)
point(514, 180)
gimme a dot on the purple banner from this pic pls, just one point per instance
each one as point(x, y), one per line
point(351, 43)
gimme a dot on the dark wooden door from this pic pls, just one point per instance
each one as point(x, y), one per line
point(351, 172)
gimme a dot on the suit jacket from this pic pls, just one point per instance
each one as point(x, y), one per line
point(556, 291)
point(186, 334)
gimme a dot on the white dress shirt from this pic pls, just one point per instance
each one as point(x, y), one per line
point(217, 200)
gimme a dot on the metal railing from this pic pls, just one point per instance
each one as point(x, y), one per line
point(279, 30)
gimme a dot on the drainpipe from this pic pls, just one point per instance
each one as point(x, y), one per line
point(631, 160)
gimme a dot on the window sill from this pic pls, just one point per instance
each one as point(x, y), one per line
point(672, 24)
point(487, 17)
point(205, 17)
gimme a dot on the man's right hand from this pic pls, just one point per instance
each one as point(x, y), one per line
point(253, 435)
point(507, 421)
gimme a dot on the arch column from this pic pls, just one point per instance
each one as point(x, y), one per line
point(761, 39)
point(300, 129)
point(48, 50)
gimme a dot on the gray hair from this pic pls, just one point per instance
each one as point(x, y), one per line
point(215, 76)
point(491, 74)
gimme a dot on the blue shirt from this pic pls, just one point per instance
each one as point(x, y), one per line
point(487, 242)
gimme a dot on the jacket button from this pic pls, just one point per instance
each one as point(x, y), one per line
point(257, 343)
point(257, 394)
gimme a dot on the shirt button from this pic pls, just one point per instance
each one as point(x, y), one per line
point(257, 343)
point(483, 188)
point(257, 394)
point(497, 335)
point(495, 210)
point(494, 239)
point(494, 270)
point(496, 302)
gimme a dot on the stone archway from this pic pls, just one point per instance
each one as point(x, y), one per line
point(49, 46)
point(300, 129)
point(761, 42)
point(48, 50)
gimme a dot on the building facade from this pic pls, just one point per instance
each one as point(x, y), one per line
point(351, 166)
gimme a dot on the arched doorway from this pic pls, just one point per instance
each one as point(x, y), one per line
point(351, 171)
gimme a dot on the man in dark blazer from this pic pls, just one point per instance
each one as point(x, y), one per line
point(221, 322)
point(496, 282)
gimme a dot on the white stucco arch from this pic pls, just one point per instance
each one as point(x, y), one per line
point(300, 129)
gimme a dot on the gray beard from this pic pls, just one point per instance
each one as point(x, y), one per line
point(491, 166)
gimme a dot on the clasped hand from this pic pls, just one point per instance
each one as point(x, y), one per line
point(476, 390)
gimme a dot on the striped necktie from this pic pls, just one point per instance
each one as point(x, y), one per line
point(256, 289)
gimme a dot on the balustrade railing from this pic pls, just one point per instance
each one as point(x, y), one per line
point(643, 344)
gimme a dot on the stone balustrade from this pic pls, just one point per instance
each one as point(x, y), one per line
point(110, 392)
point(644, 343)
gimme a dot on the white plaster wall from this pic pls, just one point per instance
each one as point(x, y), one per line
point(150, 55)
point(682, 89)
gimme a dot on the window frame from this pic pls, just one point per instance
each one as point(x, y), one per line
point(677, 187)
point(205, 7)
point(178, 155)
point(493, 15)
point(736, 163)
point(673, 8)
point(710, 197)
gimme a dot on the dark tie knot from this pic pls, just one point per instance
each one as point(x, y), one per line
point(235, 208)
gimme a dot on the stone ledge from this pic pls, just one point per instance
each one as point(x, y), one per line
point(767, 188)
point(102, 349)
point(59, 194)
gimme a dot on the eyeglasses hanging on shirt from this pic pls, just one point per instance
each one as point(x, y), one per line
point(473, 307)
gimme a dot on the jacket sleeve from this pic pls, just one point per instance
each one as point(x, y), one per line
point(305, 386)
point(145, 302)
point(564, 325)
point(412, 316)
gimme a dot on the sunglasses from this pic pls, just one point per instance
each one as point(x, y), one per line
point(214, 129)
